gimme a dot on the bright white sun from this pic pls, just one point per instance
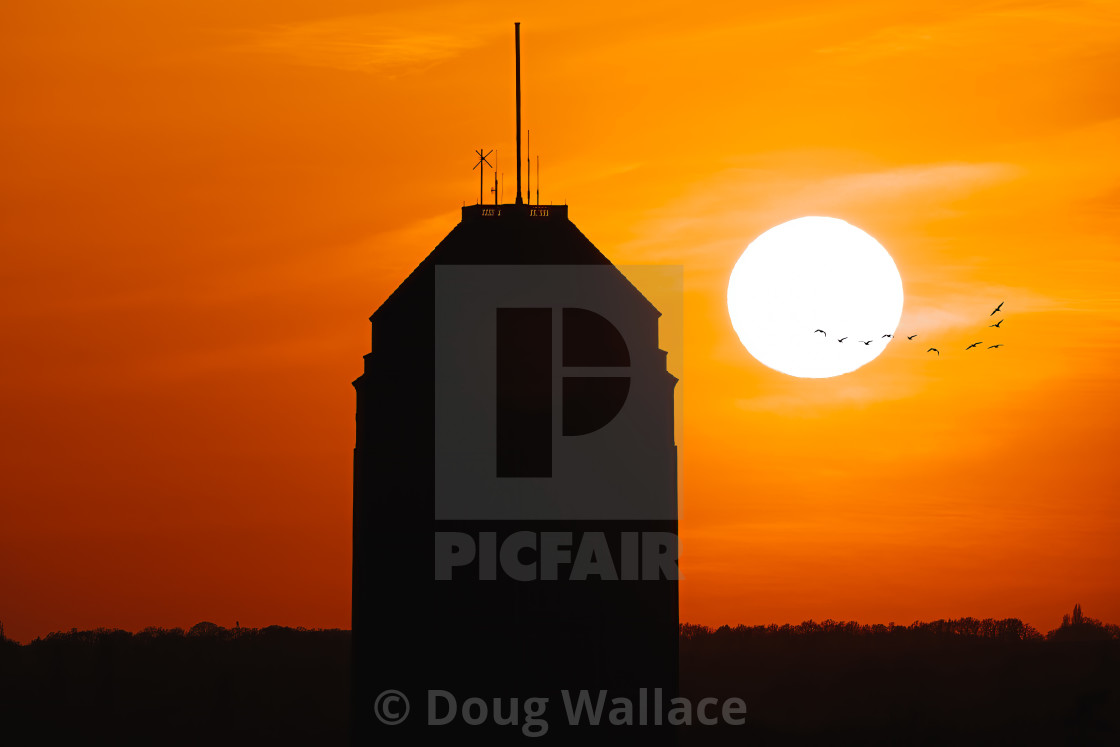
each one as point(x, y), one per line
point(815, 274)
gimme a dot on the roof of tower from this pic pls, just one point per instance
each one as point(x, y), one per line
point(508, 235)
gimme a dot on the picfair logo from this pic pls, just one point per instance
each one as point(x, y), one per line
point(552, 399)
point(525, 377)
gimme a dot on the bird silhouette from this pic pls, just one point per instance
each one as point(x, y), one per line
point(934, 350)
point(845, 337)
point(891, 336)
point(866, 342)
point(911, 337)
point(996, 325)
point(993, 347)
point(821, 331)
point(970, 347)
point(997, 308)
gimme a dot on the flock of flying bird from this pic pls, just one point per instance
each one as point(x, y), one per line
point(934, 350)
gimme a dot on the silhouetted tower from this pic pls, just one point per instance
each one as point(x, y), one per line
point(515, 486)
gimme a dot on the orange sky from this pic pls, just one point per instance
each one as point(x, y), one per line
point(200, 207)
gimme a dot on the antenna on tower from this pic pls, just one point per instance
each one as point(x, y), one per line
point(528, 167)
point(481, 160)
point(517, 62)
point(538, 180)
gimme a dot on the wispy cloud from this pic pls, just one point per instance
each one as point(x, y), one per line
point(364, 44)
point(804, 401)
point(949, 307)
point(745, 200)
point(1065, 28)
point(904, 183)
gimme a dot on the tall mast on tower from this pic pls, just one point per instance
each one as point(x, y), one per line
point(517, 62)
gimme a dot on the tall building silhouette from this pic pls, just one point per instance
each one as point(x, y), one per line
point(515, 493)
point(483, 633)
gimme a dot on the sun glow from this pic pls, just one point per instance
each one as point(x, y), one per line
point(815, 297)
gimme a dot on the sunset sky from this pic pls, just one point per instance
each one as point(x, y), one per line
point(200, 206)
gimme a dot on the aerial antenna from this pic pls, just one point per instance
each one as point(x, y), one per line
point(481, 160)
point(517, 62)
point(538, 180)
point(495, 188)
point(528, 167)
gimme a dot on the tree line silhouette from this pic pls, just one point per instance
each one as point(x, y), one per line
point(957, 681)
point(960, 681)
point(206, 685)
point(1075, 627)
